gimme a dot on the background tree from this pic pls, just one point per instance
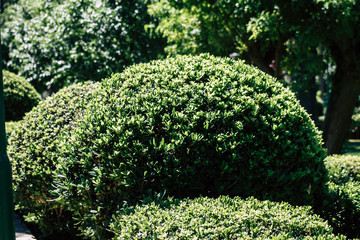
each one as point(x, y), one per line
point(54, 43)
point(250, 28)
point(188, 30)
point(336, 23)
point(335, 26)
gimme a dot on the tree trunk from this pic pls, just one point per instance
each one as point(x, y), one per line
point(277, 70)
point(344, 94)
point(259, 60)
point(308, 101)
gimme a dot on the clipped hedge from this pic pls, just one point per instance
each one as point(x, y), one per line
point(343, 208)
point(343, 168)
point(221, 218)
point(351, 190)
point(187, 126)
point(32, 151)
point(19, 96)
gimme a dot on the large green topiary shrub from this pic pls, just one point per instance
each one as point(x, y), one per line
point(187, 126)
point(32, 151)
point(19, 96)
point(221, 218)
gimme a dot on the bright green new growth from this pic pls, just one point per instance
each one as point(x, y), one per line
point(221, 218)
point(188, 126)
point(32, 150)
point(19, 96)
point(11, 126)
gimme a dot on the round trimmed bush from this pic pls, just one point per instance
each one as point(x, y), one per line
point(19, 96)
point(188, 126)
point(221, 218)
point(343, 168)
point(32, 151)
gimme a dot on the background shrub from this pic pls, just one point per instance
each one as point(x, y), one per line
point(32, 153)
point(221, 218)
point(19, 96)
point(343, 168)
point(350, 189)
point(341, 202)
point(187, 126)
point(342, 208)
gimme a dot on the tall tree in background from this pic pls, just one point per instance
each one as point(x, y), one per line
point(55, 43)
point(288, 32)
point(336, 24)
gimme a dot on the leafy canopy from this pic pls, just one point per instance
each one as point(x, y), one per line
point(55, 43)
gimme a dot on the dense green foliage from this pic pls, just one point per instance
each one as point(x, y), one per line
point(257, 31)
point(343, 168)
point(221, 218)
point(32, 151)
point(55, 43)
point(341, 202)
point(189, 30)
point(187, 126)
point(10, 127)
point(19, 96)
point(343, 208)
point(352, 191)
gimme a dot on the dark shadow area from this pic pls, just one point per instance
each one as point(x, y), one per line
point(341, 213)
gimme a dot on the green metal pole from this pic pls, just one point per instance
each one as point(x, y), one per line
point(7, 229)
